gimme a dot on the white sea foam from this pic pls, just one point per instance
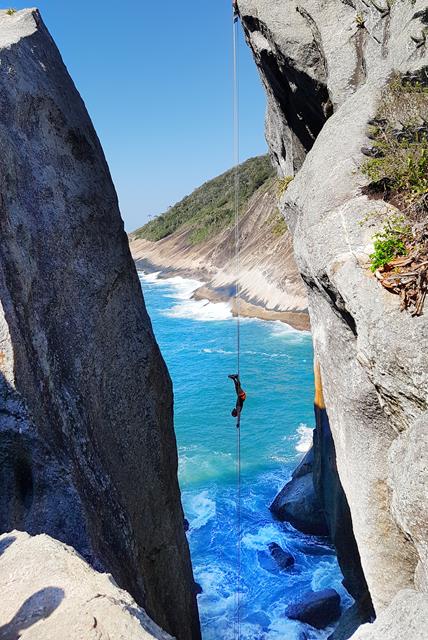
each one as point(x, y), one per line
point(220, 351)
point(259, 354)
point(202, 310)
point(215, 581)
point(282, 628)
point(200, 509)
point(184, 288)
point(264, 536)
point(305, 435)
point(326, 576)
point(149, 277)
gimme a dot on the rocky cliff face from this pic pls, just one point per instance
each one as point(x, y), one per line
point(324, 66)
point(87, 447)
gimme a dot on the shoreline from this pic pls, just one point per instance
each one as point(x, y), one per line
point(298, 320)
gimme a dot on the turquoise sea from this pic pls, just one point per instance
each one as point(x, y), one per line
point(198, 341)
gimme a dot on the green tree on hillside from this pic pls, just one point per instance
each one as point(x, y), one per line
point(210, 208)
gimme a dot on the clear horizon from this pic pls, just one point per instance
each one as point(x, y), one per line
point(157, 83)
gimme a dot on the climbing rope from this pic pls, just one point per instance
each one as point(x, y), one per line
point(237, 620)
point(236, 186)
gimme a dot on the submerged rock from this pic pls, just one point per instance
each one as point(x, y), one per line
point(283, 559)
point(87, 446)
point(317, 608)
point(259, 618)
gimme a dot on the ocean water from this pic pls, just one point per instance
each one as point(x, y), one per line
point(198, 341)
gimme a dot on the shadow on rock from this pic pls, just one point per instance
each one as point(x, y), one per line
point(37, 607)
point(6, 542)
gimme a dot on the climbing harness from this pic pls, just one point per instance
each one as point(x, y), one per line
point(237, 618)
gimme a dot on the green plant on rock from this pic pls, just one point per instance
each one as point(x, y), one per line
point(360, 21)
point(398, 168)
point(390, 242)
point(278, 224)
point(283, 184)
point(402, 168)
point(400, 142)
point(403, 101)
point(10, 12)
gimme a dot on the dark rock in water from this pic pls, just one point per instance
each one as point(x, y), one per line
point(306, 465)
point(197, 589)
point(317, 608)
point(186, 525)
point(298, 502)
point(266, 562)
point(299, 505)
point(282, 558)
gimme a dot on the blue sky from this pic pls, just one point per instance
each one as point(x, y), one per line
point(156, 79)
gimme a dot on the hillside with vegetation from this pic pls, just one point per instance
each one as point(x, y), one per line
point(210, 208)
point(196, 239)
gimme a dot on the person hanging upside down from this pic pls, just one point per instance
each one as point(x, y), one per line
point(241, 396)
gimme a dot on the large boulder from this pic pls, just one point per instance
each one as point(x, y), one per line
point(404, 619)
point(87, 446)
point(298, 504)
point(48, 592)
point(317, 608)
